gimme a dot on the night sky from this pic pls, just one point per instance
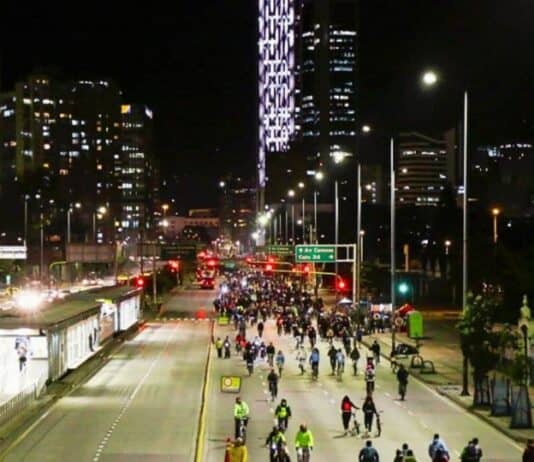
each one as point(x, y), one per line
point(195, 66)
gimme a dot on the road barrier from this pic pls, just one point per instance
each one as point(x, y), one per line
point(21, 400)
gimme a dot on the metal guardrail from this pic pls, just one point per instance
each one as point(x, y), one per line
point(22, 400)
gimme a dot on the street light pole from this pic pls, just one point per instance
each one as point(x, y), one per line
point(392, 242)
point(465, 201)
point(303, 220)
point(315, 217)
point(293, 224)
point(495, 212)
point(68, 225)
point(336, 205)
point(41, 260)
point(26, 220)
point(286, 226)
point(358, 232)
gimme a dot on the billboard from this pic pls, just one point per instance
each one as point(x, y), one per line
point(91, 253)
point(13, 252)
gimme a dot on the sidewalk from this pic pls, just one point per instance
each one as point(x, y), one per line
point(442, 347)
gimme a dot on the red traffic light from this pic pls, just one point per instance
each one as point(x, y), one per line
point(268, 267)
point(306, 269)
point(341, 284)
point(139, 282)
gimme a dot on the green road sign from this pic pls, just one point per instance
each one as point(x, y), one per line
point(280, 250)
point(315, 254)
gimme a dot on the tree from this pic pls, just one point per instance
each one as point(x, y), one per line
point(480, 343)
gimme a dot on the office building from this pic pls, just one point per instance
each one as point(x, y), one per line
point(276, 82)
point(136, 173)
point(327, 79)
point(421, 169)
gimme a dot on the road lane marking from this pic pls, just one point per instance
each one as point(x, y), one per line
point(131, 398)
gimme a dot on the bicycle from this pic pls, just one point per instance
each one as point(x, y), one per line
point(339, 372)
point(273, 389)
point(279, 452)
point(250, 368)
point(355, 430)
point(242, 432)
point(315, 371)
point(303, 454)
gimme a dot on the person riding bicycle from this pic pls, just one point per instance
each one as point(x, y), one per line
point(314, 361)
point(272, 380)
point(340, 362)
point(275, 439)
point(280, 361)
point(304, 443)
point(283, 414)
point(402, 378)
point(346, 412)
point(370, 379)
point(369, 410)
point(355, 356)
point(241, 413)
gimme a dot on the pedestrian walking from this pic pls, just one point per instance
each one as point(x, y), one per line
point(219, 347)
point(398, 456)
point(402, 378)
point(409, 457)
point(238, 452)
point(227, 347)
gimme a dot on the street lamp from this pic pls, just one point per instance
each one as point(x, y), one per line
point(291, 193)
point(165, 207)
point(77, 205)
point(100, 212)
point(430, 78)
point(366, 128)
point(495, 212)
point(222, 184)
point(447, 246)
point(301, 185)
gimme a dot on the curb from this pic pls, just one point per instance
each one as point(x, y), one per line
point(201, 425)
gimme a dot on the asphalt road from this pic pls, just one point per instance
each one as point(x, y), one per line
point(142, 405)
point(317, 403)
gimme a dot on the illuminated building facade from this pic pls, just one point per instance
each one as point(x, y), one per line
point(327, 79)
point(276, 77)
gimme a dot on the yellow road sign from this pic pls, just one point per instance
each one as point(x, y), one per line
point(230, 384)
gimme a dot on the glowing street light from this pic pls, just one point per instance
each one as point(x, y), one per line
point(429, 78)
point(319, 176)
point(366, 128)
point(495, 212)
point(291, 193)
point(301, 185)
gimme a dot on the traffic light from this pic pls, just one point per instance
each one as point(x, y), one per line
point(139, 282)
point(403, 288)
point(268, 267)
point(306, 269)
point(341, 285)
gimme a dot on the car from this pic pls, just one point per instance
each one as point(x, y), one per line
point(207, 283)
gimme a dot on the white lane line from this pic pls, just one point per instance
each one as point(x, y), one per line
point(130, 399)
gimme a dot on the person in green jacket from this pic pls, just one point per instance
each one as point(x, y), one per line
point(304, 442)
point(409, 457)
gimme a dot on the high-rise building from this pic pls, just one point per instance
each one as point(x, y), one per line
point(276, 81)
point(327, 79)
point(421, 169)
point(135, 171)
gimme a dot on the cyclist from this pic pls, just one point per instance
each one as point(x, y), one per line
point(369, 410)
point(435, 444)
point(355, 356)
point(304, 443)
point(314, 361)
point(270, 353)
point(283, 414)
point(402, 378)
point(275, 440)
point(241, 413)
point(370, 379)
point(346, 412)
point(340, 363)
point(280, 361)
point(272, 379)
point(368, 453)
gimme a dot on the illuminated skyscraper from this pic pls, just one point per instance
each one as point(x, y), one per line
point(276, 76)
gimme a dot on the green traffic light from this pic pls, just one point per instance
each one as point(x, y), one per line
point(403, 288)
